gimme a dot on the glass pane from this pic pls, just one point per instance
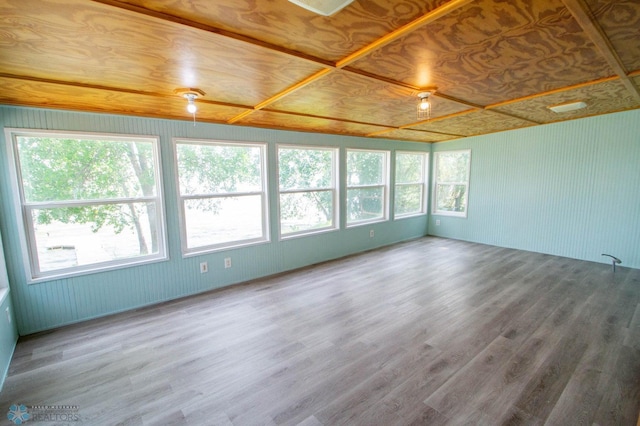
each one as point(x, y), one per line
point(365, 168)
point(305, 211)
point(365, 204)
point(409, 168)
point(305, 168)
point(223, 220)
point(450, 198)
point(408, 199)
point(219, 169)
point(59, 169)
point(452, 166)
point(78, 236)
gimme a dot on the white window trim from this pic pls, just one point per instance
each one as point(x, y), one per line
point(22, 208)
point(334, 188)
point(4, 276)
point(424, 183)
point(436, 183)
point(385, 188)
point(265, 238)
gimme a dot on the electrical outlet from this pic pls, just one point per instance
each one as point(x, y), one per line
point(371, 234)
point(437, 222)
point(8, 315)
point(227, 262)
point(204, 267)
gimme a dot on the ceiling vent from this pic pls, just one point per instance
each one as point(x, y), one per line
point(323, 7)
point(566, 107)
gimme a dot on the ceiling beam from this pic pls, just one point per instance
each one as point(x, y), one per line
point(411, 126)
point(341, 120)
point(551, 92)
point(299, 85)
point(215, 30)
point(435, 119)
point(113, 89)
point(431, 132)
point(410, 88)
point(430, 16)
point(583, 15)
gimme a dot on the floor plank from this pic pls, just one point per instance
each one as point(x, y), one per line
point(431, 331)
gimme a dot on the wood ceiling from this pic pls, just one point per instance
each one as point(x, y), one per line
point(497, 64)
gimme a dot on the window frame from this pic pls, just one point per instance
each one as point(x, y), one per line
point(23, 209)
point(4, 276)
point(424, 184)
point(436, 182)
point(264, 197)
point(384, 185)
point(334, 189)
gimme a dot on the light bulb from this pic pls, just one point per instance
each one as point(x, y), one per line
point(424, 104)
point(191, 107)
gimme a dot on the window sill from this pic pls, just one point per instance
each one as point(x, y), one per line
point(90, 269)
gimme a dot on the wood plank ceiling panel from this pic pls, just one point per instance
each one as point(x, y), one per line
point(414, 135)
point(353, 97)
point(474, 123)
point(489, 51)
point(620, 21)
point(90, 43)
point(285, 24)
point(601, 98)
point(51, 95)
point(279, 120)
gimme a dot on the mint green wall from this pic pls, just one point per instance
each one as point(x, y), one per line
point(54, 303)
point(569, 189)
point(8, 338)
point(8, 331)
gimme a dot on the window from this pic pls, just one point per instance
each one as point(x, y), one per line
point(88, 201)
point(308, 189)
point(451, 182)
point(410, 185)
point(367, 183)
point(222, 194)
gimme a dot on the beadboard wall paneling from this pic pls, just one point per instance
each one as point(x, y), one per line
point(8, 330)
point(8, 338)
point(55, 303)
point(569, 189)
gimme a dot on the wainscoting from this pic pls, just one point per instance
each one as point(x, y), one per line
point(431, 331)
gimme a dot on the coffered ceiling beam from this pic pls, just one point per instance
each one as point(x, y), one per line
point(318, 75)
point(411, 126)
point(582, 14)
point(112, 89)
point(551, 92)
point(428, 17)
point(215, 30)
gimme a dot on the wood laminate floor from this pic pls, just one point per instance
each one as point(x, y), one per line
point(428, 332)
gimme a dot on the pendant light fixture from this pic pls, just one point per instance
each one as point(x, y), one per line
point(423, 110)
point(190, 95)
